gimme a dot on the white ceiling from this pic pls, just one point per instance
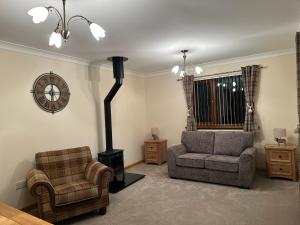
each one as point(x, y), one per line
point(151, 33)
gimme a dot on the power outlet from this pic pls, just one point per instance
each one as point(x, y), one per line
point(20, 184)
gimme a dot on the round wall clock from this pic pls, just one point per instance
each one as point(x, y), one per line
point(51, 92)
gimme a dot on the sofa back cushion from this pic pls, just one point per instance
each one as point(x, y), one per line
point(198, 141)
point(64, 166)
point(232, 143)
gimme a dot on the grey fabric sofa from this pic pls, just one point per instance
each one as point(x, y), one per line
point(224, 157)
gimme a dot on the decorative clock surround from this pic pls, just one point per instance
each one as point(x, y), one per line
point(51, 92)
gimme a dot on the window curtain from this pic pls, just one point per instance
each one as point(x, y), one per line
point(188, 86)
point(298, 84)
point(249, 77)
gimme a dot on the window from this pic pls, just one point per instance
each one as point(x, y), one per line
point(219, 103)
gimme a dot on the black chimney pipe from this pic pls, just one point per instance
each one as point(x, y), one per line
point(118, 69)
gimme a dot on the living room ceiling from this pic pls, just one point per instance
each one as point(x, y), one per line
point(152, 33)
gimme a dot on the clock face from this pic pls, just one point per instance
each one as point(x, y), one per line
point(51, 92)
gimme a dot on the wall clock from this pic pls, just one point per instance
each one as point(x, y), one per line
point(51, 92)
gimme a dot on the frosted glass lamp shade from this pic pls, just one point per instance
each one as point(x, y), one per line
point(55, 39)
point(181, 73)
point(279, 133)
point(198, 70)
point(39, 14)
point(97, 31)
point(175, 69)
point(155, 133)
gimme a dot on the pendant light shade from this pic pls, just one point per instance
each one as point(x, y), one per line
point(39, 14)
point(175, 69)
point(97, 31)
point(182, 73)
point(198, 70)
point(55, 39)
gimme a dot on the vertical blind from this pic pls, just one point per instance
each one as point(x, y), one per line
point(219, 102)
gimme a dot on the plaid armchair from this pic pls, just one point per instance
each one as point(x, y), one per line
point(68, 183)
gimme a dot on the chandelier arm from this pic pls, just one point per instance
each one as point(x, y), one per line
point(57, 12)
point(77, 16)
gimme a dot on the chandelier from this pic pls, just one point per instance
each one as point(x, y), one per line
point(40, 14)
point(182, 69)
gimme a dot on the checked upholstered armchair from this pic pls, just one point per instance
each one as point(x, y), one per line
point(68, 183)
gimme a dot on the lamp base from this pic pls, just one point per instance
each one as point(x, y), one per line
point(281, 141)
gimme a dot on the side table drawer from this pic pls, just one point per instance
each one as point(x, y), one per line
point(152, 147)
point(281, 169)
point(280, 156)
point(151, 156)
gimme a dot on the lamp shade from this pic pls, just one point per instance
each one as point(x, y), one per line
point(97, 31)
point(39, 14)
point(279, 132)
point(155, 131)
point(175, 69)
point(55, 39)
point(198, 70)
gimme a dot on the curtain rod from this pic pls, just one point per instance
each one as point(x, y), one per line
point(214, 75)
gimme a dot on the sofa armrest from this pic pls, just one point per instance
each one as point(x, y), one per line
point(37, 182)
point(99, 174)
point(173, 152)
point(247, 167)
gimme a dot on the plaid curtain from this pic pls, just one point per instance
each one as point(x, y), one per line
point(298, 85)
point(249, 76)
point(188, 86)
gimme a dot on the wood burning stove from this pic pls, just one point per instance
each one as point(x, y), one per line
point(114, 158)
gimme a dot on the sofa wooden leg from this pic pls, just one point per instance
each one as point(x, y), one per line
point(102, 211)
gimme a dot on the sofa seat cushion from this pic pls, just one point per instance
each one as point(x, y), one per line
point(195, 160)
point(232, 143)
point(222, 163)
point(198, 141)
point(75, 191)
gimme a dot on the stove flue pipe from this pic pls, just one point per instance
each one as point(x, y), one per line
point(118, 69)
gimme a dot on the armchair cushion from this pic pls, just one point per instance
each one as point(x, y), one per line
point(232, 143)
point(64, 166)
point(73, 192)
point(222, 163)
point(195, 160)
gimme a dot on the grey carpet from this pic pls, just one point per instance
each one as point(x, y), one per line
point(159, 200)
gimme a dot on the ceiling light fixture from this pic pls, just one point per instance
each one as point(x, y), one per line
point(40, 14)
point(182, 69)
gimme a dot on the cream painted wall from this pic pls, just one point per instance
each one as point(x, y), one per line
point(276, 101)
point(25, 129)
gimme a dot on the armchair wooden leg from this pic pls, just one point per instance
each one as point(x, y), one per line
point(102, 211)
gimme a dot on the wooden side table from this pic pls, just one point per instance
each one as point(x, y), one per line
point(282, 161)
point(155, 151)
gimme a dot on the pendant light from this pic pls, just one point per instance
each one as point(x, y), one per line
point(181, 70)
point(40, 14)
